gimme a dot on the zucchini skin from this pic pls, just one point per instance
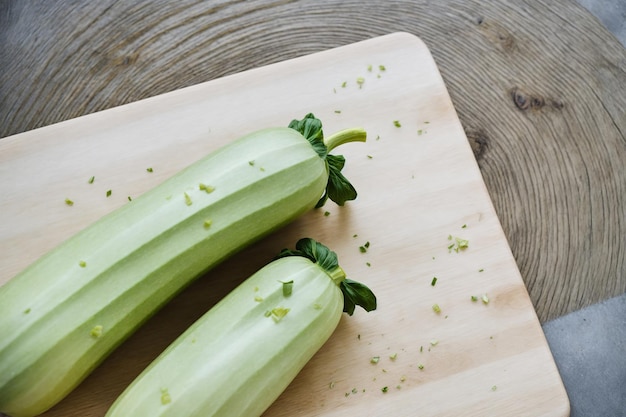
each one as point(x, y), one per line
point(235, 360)
point(141, 255)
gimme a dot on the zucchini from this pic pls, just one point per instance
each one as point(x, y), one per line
point(67, 311)
point(240, 356)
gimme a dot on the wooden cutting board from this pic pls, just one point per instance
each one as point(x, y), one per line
point(418, 183)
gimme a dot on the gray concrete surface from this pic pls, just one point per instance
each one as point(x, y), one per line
point(589, 347)
point(612, 13)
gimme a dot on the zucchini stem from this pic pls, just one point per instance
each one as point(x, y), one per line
point(337, 275)
point(354, 134)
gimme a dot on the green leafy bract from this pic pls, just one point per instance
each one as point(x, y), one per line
point(354, 293)
point(311, 128)
point(338, 188)
point(357, 294)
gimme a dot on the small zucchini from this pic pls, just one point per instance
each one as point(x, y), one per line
point(241, 355)
point(65, 313)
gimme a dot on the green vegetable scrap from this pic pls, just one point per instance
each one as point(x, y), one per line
point(364, 247)
point(287, 288)
point(458, 244)
point(279, 313)
point(207, 188)
point(96, 332)
point(165, 396)
point(69, 202)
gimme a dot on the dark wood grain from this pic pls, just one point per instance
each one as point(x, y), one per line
point(538, 87)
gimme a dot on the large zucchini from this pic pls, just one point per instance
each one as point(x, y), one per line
point(65, 313)
point(239, 357)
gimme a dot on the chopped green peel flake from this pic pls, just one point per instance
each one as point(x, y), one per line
point(374, 360)
point(27, 311)
point(91, 179)
point(396, 123)
point(393, 357)
point(207, 223)
point(149, 169)
point(165, 396)
point(433, 282)
point(82, 264)
point(278, 313)
point(287, 288)
point(208, 188)
point(436, 308)
point(69, 202)
point(360, 81)
point(96, 332)
point(458, 244)
point(384, 389)
point(474, 298)
point(187, 199)
point(365, 247)
point(258, 298)
point(485, 299)
point(109, 192)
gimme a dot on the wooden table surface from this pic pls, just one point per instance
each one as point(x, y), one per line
point(538, 86)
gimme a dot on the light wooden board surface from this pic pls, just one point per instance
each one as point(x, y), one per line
point(418, 184)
